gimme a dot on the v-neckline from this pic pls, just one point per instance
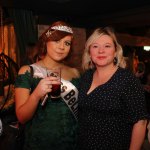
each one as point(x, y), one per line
point(99, 86)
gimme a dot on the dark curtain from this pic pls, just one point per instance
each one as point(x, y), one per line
point(25, 29)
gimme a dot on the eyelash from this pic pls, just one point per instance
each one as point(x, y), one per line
point(107, 46)
point(67, 43)
point(95, 46)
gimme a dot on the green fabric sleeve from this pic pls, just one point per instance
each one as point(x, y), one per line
point(23, 81)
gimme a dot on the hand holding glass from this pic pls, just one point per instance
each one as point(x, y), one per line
point(56, 90)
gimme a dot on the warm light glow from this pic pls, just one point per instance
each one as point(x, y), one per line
point(147, 48)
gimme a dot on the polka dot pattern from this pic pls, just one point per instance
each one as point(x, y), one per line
point(108, 113)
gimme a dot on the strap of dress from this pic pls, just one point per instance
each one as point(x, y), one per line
point(31, 71)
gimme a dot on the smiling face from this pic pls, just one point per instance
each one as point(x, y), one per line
point(58, 50)
point(102, 51)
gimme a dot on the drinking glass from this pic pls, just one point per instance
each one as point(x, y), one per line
point(56, 88)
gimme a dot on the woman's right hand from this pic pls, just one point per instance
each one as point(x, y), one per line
point(44, 87)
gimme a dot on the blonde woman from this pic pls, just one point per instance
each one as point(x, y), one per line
point(112, 112)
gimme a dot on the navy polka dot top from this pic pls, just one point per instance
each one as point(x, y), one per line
point(108, 113)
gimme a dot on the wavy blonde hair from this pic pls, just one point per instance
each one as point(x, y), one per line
point(86, 59)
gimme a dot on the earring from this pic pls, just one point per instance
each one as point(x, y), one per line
point(90, 64)
point(115, 61)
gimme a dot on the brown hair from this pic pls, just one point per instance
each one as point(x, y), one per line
point(55, 32)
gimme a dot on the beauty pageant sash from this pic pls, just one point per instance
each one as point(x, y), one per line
point(69, 93)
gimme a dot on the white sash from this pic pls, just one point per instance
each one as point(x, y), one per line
point(69, 94)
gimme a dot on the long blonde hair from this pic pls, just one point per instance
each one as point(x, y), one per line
point(86, 59)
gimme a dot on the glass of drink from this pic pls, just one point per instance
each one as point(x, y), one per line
point(56, 87)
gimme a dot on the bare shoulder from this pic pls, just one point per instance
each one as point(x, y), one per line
point(75, 72)
point(69, 72)
point(24, 69)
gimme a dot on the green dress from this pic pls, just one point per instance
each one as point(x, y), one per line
point(53, 126)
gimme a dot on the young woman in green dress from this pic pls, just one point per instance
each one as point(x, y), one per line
point(51, 126)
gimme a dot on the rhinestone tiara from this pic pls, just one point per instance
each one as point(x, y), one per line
point(62, 28)
point(48, 33)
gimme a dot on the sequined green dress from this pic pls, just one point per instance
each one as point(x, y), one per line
point(53, 126)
